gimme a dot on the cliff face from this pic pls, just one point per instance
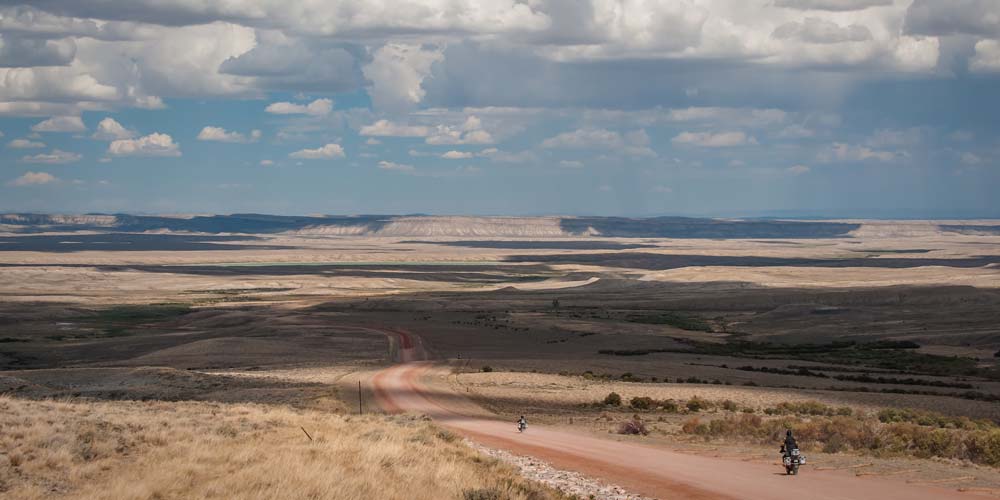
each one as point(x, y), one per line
point(436, 226)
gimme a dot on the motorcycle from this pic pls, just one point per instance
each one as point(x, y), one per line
point(521, 426)
point(792, 460)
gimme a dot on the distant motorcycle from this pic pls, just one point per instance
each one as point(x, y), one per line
point(521, 426)
point(792, 460)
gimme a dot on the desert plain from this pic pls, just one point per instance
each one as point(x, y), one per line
point(214, 349)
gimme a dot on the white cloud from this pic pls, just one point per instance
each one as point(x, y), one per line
point(834, 5)
point(397, 72)
point(266, 163)
point(738, 117)
point(396, 167)
point(33, 179)
point(987, 57)
point(971, 159)
point(795, 131)
point(457, 155)
point(585, 138)
point(326, 152)
point(220, 134)
point(846, 152)
point(387, 128)
point(470, 132)
point(109, 130)
point(822, 31)
point(60, 124)
point(373, 141)
point(714, 140)
point(25, 144)
point(570, 163)
point(154, 144)
point(319, 107)
point(634, 143)
point(797, 169)
point(54, 157)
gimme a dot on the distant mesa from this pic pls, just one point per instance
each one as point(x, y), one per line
point(427, 226)
point(476, 230)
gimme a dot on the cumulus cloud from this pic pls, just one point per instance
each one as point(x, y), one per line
point(831, 5)
point(470, 132)
point(284, 63)
point(954, 17)
point(634, 143)
point(987, 57)
point(396, 167)
point(33, 179)
point(16, 51)
point(397, 72)
point(387, 128)
point(220, 134)
point(816, 30)
point(266, 163)
point(55, 157)
point(797, 169)
point(109, 130)
point(319, 107)
point(60, 124)
point(584, 139)
point(154, 144)
point(795, 131)
point(457, 155)
point(322, 153)
point(840, 151)
point(739, 117)
point(714, 140)
point(971, 159)
point(25, 144)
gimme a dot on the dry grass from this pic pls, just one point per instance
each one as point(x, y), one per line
point(140, 450)
point(508, 392)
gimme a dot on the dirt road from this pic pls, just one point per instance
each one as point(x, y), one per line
point(643, 469)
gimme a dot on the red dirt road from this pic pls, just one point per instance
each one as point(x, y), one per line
point(643, 469)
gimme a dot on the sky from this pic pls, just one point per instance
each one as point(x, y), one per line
point(735, 108)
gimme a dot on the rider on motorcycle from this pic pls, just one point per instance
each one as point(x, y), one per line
point(789, 443)
point(522, 423)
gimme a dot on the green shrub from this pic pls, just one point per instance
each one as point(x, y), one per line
point(613, 399)
point(697, 404)
point(984, 447)
point(642, 403)
point(729, 405)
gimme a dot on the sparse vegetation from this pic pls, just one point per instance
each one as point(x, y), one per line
point(635, 426)
point(613, 399)
point(137, 314)
point(882, 355)
point(672, 319)
point(236, 451)
point(861, 434)
point(697, 404)
point(642, 403)
point(810, 408)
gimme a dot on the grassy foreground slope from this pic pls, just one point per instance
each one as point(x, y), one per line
point(145, 450)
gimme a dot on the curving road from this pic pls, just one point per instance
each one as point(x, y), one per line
point(650, 471)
